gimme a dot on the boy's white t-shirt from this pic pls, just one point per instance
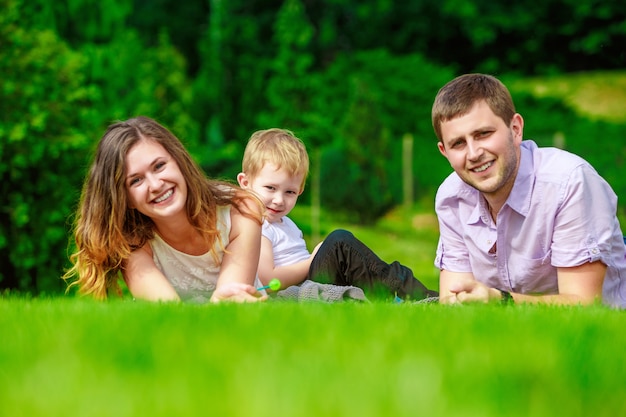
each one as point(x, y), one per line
point(288, 243)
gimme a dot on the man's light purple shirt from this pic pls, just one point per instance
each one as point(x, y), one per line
point(560, 213)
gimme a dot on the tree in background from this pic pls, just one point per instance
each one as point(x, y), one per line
point(44, 105)
point(55, 102)
point(524, 37)
point(371, 112)
point(229, 90)
point(351, 78)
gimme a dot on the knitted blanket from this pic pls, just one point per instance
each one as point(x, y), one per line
point(315, 291)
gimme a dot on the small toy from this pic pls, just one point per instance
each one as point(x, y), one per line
point(273, 285)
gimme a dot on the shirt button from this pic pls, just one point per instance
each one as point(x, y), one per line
point(594, 251)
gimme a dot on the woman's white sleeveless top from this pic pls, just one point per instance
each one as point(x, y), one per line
point(193, 277)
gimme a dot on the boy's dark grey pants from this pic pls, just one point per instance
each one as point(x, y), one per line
point(344, 260)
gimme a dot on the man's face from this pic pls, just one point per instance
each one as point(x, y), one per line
point(483, 150)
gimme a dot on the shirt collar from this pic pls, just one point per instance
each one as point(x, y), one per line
point(519, 199)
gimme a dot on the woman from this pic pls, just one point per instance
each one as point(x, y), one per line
point(148, 211)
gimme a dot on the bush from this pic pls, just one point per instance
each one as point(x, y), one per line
point(42, 130)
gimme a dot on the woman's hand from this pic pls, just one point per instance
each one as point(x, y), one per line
point(237, 292)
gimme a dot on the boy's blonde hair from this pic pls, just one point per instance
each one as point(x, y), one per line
point(279, 147)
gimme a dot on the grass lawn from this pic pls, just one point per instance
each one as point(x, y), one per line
point(73, 357)
point(596, 94)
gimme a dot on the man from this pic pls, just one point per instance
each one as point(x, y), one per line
point(519, 223)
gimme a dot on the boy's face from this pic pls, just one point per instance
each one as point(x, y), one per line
point(277, 188)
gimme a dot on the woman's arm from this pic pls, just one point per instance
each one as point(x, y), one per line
point(241, 260)
point(143, 278)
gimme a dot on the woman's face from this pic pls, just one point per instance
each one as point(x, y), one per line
point(154, 183)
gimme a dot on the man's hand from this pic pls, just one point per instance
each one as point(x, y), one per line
point(472, 291)
point(463, 288)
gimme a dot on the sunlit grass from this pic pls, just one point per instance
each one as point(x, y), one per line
point(597, 95)
point(75, 357)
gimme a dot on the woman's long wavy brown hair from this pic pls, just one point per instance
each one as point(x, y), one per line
point(106, 230)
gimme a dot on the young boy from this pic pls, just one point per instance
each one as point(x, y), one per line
point(275, 166)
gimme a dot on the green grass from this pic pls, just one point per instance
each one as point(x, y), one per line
point(597, 95)
point(67, 356)
point(407, 236)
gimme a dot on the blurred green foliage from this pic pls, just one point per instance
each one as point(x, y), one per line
point(350, 78)
point(55, 101)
